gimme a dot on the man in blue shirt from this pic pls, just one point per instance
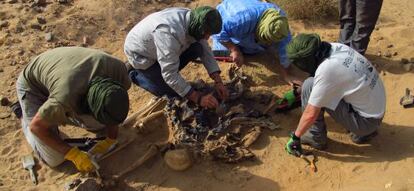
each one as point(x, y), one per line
point(250, 27)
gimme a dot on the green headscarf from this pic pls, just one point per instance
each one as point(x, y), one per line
point(307, 51)
point(108, 101)
point(272, 27)
point(204, 19)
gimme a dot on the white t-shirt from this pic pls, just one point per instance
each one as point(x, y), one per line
point(348, 75)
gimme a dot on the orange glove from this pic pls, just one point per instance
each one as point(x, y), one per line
point(81, 160)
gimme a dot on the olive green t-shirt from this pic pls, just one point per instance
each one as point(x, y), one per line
point(63, 75)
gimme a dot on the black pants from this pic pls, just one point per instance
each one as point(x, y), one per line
point(358, 19)
point(151, 78)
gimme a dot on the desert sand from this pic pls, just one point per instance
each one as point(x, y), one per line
point(387, 163)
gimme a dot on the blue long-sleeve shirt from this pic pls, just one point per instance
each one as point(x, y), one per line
point(240, 19)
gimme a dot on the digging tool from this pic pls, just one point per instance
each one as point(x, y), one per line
point(311, 162)
point(407, 100)
point(28, 164)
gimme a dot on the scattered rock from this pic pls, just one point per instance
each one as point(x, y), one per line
point(407, 67)
point(388, 185)
point(395, 53)
point(380, 38)
point(1, 70)
point(63, 1)
point(49, 36)
point(390, 46)
point(4, 101)
point(20, 52)
point(4, 24)
point(88, 185)
point(12, 1)
point(19, 28)
point(4, 115)
point(404, 61)
point(72, 184)
point(41, 20)
point(38, 9)
point(379, 53)
point(39, 2)
point(35, 26)
point(85, 41)
point(388, 54)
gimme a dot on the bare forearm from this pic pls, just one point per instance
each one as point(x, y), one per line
point(308, 118)
point(41, 130)
point(216, 77)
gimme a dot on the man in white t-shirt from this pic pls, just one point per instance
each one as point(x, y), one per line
point(343, 83)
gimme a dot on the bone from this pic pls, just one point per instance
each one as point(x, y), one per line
point(152, 151)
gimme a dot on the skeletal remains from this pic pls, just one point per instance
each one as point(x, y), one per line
point(224, 134)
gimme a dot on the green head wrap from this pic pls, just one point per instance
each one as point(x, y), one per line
point(204, 19)
point(108, 101)
point(307, 51)
point(272, 27)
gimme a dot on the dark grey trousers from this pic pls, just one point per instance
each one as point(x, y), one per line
point(357, 19)
point(343, 114)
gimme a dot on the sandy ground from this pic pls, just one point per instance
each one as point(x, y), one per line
point(385, 164)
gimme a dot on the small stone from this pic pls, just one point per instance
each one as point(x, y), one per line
point(39, 2)
point(395, 53)
point(388, 185)
point(390, 46)
point(85, 40)
point(35, 26)
point(4, 24)
point(72, 184)
point(38, 9)
point(4, 115)
point(407, 67)
point(379, 53)
point(380, 38)
point(41, 20)
point(388, 54)
point(4, 101)
point(20, 52)
point(19, 28)
point(49, 37)
point(377, 28)
point(12, 1)
point(63, 1)
point(404, 61)
point(1, 70)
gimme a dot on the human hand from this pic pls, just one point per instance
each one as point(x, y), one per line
point(222, 90)
point(291, 80)
point(208, 101)
point(81, 160)
point(293, 146)
point(238, 58)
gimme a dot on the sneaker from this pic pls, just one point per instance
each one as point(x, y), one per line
point(362, 139)
point(308, 140)
point(17, 109)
